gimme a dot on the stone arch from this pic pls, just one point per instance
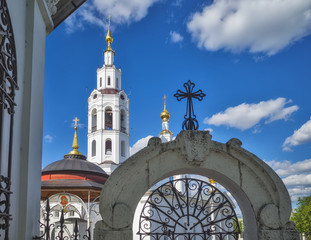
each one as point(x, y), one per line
point(260, 193)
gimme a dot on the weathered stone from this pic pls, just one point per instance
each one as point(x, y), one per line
point(258, 190)
point(194, 145)
point(269, 216)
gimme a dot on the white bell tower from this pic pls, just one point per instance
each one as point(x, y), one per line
point(108, 116)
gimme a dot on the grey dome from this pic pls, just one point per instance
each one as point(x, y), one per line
point(73, 163)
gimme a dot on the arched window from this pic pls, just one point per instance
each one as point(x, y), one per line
point(122, 148)
point(108, 118)
point(122, 121)
point(93, 148)
point(108, 81)
point(108, 150)
point(117, 82)
point(94, 120)
point(100, 82)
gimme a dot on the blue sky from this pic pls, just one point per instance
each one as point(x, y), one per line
point(251, 58)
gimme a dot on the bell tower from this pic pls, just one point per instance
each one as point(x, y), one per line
point(108, 115)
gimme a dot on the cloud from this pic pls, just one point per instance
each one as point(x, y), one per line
point(176, 37)
point(48, 138)
point(286, 168)
point(79, 125)
point(253, 25)
point(208, 129)
point(96, 12)
point(140, 144)
point(300, 136)
point(245, 116)
point(296, 176)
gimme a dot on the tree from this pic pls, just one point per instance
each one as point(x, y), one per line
point(302, 216)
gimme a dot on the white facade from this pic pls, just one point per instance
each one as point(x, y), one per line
point(108, 118)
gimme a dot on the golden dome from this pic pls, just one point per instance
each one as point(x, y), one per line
point(109, 38)
point(165, 115)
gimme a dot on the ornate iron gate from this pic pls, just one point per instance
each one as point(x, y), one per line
point(188, 209)
point(8, 86)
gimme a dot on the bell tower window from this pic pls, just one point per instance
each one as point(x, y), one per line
point(122, 148)
point(108, 119)
point(108, 81)
point(100, 82)
point(93, 148)
point(117, 82)
point(108, 149)
point(122, 121)
point(94, 120)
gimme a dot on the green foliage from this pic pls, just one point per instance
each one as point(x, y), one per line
point(302, 215)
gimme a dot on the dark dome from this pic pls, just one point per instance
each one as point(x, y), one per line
point(73, 163)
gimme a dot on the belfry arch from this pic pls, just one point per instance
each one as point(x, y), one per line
point(258, 190)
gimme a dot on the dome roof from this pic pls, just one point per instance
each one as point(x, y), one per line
point(73, 163)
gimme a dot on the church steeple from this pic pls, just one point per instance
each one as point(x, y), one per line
point(109, 38)
point(108, 124)
point(75, 144)
point(109, 53)
point(165, 134)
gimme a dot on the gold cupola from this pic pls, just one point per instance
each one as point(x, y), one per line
point(75, 144)
point(165, 115)
point(109, 38)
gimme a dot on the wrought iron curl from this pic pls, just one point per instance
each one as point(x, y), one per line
point(207, 207)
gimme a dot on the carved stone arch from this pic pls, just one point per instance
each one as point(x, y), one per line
point(258, 190)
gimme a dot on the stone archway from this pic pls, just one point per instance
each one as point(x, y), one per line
point(260, 193)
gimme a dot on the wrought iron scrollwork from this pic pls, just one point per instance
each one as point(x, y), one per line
point(8, 86)
point(190, 122)
point(63, 232)
point(188, 209)
point(8, 65)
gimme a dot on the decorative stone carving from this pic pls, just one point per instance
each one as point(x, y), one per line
point(269, 216)
point(52, 6)
point(194, 145)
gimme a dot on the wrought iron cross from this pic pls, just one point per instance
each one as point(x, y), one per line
point(190, 122)
point(76, 120)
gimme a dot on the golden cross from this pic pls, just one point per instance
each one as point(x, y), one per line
point(109, 20)
point(164, 99)
point(76, 120)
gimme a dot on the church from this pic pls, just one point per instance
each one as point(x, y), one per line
point(74, 183)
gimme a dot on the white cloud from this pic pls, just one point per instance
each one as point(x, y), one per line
point(140, 144)
point(208, 129)
point(96, 12)
point(176, 37)
point(300, 136)
point(296, 176)
point(245, 116)
point(48, 138)
point(79, 125)
point(265, 26)
point(287, 168)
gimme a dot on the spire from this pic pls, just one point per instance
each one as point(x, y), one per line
point(109, 38)
point(75, 144)
point(165, 115)
point(165, 134)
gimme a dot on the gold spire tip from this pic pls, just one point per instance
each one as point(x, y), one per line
point(109, 38)
point(75, 144)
